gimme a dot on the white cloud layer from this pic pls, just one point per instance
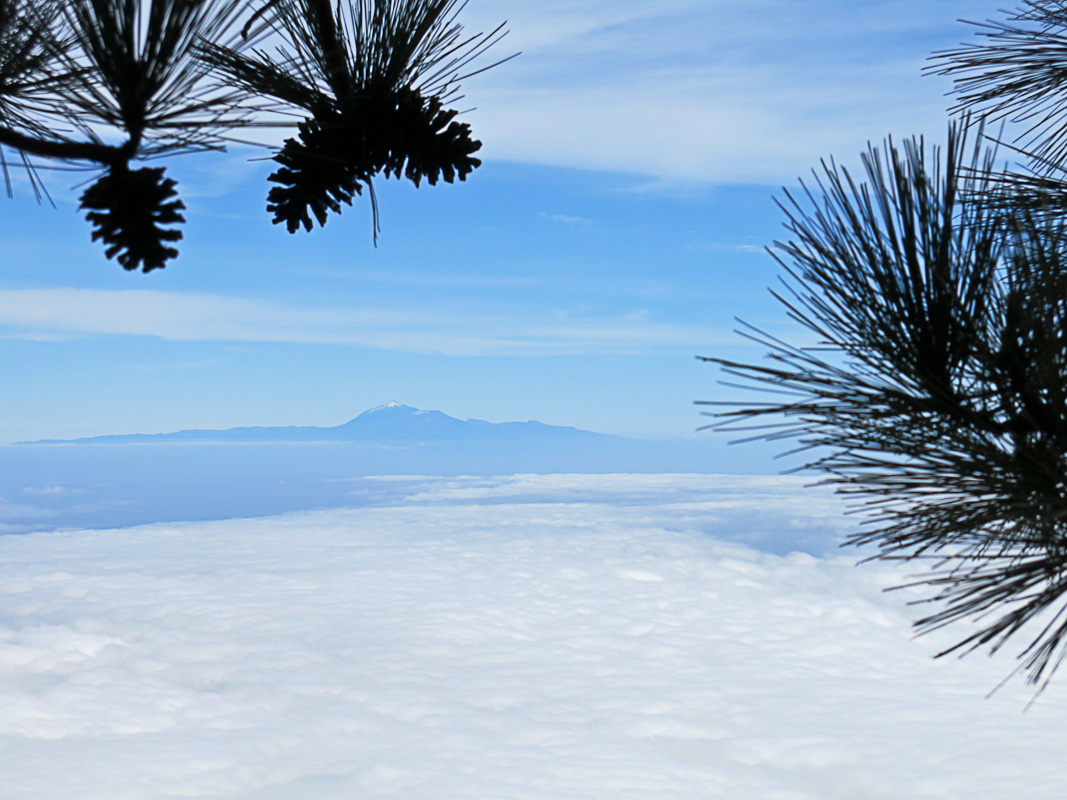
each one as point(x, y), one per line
point(535, 637)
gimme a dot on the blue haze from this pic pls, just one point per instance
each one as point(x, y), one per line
point(115, 481)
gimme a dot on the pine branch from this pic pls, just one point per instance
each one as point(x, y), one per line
point(95, 152)
point(1017, 72)
point(373, 77)
point(937, 397)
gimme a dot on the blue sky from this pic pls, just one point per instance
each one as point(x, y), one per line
point(632, 154)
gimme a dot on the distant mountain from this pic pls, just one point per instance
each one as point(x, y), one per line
point(393, 423)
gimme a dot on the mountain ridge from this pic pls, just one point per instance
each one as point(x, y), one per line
point(390, 423)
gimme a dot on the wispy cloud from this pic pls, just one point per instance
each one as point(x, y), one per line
point(730, 247)
point(564, 219)
point(176, 316)
point(172, 365)
point(731, 91)
point(703, 127)
point(54, 490)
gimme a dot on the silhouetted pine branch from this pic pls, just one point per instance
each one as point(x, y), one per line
point(373, 76)
point(102, 83)
point(937, 393)
point(81, 74)
point(1017, 73)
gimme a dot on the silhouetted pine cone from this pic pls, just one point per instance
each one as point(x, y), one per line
point(127, 209)
point(317, 174)
point(423, 141)
point(401, 134)
point(398, 133)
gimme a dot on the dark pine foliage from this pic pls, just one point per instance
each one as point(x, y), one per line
point(99, 84)
point(396, 134)
point(935, 387)
point(373, 78)
point(1016, 73)
point(935, 384)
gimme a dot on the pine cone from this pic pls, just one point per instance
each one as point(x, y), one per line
point(127, 209)
point(398, 133)
point(318, 173)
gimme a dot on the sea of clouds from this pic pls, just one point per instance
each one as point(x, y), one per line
point(532, 636)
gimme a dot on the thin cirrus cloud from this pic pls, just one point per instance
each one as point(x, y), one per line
point(59, 313)
point(732, 91)
point(664, 131)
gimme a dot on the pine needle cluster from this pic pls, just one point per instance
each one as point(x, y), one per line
point(934, 287)
point(372, 76)
point(103, 83)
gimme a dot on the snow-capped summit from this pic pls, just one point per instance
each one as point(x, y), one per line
point(385, 407)
point(396, 421)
